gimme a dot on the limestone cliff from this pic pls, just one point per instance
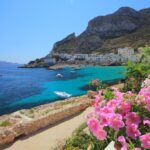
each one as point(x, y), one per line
point(124, 21)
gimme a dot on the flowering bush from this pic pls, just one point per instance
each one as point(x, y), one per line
point(135, 74)
point(96, 85)
point(124, 119)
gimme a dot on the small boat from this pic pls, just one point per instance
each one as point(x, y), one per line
point(59, 75)
point(72, 71)
point(62, 94)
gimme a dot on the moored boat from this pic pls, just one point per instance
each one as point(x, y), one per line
point(62, 94)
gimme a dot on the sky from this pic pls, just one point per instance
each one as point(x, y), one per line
point(29, 28)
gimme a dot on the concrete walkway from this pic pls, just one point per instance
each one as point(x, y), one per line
point(50, 137)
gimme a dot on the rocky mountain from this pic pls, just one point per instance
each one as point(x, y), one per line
point(122, 23)
point(103, 36)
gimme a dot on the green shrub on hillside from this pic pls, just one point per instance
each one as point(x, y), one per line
point(145, 55)
point(135, 74)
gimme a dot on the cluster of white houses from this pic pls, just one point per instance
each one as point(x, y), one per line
point(122, 56)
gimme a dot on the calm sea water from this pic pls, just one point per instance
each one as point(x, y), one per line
point(24, 88)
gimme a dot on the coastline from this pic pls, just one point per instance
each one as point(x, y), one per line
point(27, 121)
point(40, 63)
point(61, 66)
point(77, 66)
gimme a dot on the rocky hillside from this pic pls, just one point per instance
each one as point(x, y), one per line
point(125, 27)
point(102, 39)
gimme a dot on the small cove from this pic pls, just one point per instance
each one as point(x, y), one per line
point(25, 88)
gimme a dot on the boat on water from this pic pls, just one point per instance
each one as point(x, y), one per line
point(62, 94)
point(72, 71)
point(59, 75)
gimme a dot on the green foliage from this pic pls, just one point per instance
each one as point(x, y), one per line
point(108, 94)
point(135, 74)
point(145, 55)
point(5, 123)
point(96, 85)
point(80, 129)
point(81, 141)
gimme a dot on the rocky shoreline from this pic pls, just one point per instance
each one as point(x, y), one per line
point(59, 60)
point(27, 121)
point(61, 66)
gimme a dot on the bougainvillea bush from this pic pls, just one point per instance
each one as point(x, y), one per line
point(124, 119)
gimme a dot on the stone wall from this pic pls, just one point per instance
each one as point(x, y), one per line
point(43, 116)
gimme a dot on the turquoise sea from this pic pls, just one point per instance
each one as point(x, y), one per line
point(24, 88)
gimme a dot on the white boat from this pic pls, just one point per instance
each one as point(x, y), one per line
point(59, 75)
point(72, 71)
point(62, 94)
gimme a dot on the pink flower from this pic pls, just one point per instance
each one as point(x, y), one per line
point(122, 140)
point(97, 108)
point(93, 124)
point(102, 103)
point(117, 114)
point(104, 119)
point(107, 110)
point(92, 114)
point(113, 103)
point(100, 134)
point(105, 114)
point(137, 148)
point(132, 118)
point(146, 82)
point(132, 131)
point(95, 102)
point(97, 98)
point(119, 95)
point(145, 93)
point(147, 121)
point(125, 107)
point(145, 140)
point(130, 93)
point(100, 93)
point(116, 122)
